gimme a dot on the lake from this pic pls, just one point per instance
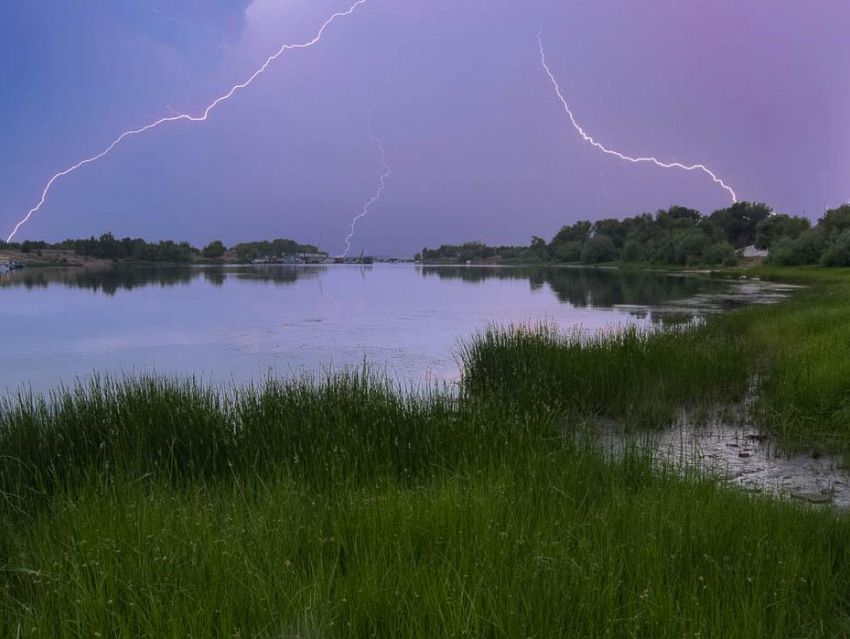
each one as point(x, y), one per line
point(242, 323)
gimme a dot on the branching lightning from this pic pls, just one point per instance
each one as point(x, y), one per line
point(387, 172)
point(185, 117)
point(604, 149)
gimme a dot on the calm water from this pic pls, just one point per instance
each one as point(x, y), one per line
point(241, 323)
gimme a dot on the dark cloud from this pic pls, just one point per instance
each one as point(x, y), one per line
point(478, 143)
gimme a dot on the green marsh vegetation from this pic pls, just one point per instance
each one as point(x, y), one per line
point(792, 357)
point(347, 506)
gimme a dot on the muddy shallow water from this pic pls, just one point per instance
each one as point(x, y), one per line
point(729, 446)
point(741, 456)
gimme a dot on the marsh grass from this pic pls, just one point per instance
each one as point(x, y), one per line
point(797, 353)
point(801, 352)
point(158, 508)
point(642, 377)
point(347, 506)
point(348, 428)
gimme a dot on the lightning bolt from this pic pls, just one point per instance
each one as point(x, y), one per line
point(587, 138)
point(185, 117)
point(377, 196)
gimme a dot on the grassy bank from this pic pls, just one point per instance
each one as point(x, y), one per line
point(159, 508)
point(348, 507)
point(794, 354)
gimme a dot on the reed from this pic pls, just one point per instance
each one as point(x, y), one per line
point(632, 375)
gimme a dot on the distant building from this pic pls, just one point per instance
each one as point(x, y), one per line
point(752, 251)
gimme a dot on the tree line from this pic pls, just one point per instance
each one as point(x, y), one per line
point(108, 247)
point(679, 236)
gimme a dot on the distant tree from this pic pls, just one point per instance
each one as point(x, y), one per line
point(214, 249)
point(721, 253)
point(837, 253)
point(632, 251)
point(566, 252)
point(772, 228)
point(680, 247)
point(739, 221)
point(835, 220)
point(677, 217)
point(599, 249)
point(539, 248)
point(578, 232)
point(275, 248)
point(806, 249)
point(613, 228)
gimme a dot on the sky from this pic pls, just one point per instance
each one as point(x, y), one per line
point(479, 146)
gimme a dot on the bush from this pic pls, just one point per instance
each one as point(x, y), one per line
point(568, 252)
point(838, 252)
point(806, 249)
point(683, 246)
point(721, 253)
point(214, 249)
point(632, 251)
point(774, 228)
point(599, 249)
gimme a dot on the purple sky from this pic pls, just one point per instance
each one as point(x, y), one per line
point(759, 91)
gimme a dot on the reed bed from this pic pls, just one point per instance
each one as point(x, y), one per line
point(643, 377)
point(155, 507)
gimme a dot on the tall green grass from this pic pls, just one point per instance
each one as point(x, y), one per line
point(346, 506)
point(800, 350)
point(343, 507)
point(565, 545)
point(793, 356)
point(639, 376)
point(350, 428)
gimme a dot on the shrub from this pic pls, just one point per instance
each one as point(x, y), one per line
point(838, 251)
point(721, 253)
point(632, 251)
point(599, 249)
point(806, 249)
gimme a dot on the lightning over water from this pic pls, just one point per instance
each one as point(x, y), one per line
point(184, 117)
point(637, 160)
point(387, 171)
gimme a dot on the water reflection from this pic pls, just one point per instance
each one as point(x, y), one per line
point(597, 288)
point(579, 287)
point(656, 297)
point(240, 322)
point(111, 280)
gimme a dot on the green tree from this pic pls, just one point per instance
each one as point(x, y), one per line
point(806, 249)
point(772, 228)
point(539, 248)
point(599, 249)
point(720, 253)
point(632, 251)
point(677, 217)
point(578, 232)
point(739, 221)
point(566, 252)
point(838, 251)
point(835, 220)
point(214, 249)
